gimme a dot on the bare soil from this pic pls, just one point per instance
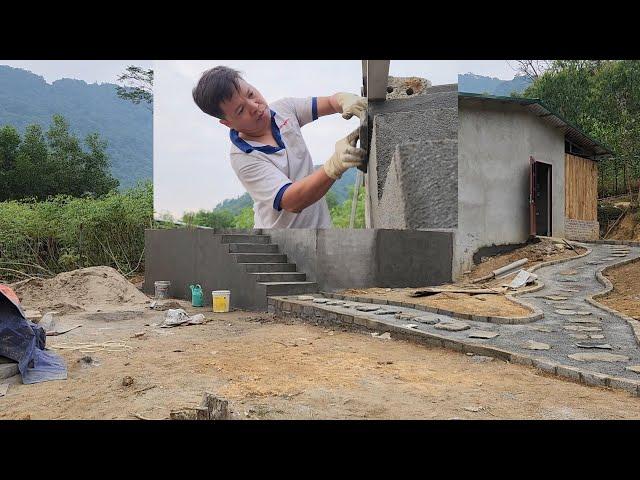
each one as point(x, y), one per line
point(482, 304)
point(628, 228)
point(275, 370)
point(625, 296)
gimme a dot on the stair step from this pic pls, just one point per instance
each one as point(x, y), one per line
point(269, 267)
point(253, 248)
point(271, 277)
point(289, 288)
point(245, 238)
point(260, 257)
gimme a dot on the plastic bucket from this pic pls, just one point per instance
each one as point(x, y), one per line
point(221, 300)
point(162, 289)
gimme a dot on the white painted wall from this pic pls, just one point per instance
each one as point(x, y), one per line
point(494, 146)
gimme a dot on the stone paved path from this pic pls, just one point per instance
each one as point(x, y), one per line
point(599, 332)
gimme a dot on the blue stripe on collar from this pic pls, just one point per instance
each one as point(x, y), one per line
point(246, 148)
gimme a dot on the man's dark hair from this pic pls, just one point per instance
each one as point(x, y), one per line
point(215, 86)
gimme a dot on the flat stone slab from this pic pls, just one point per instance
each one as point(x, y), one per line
point(4, 387)
point(570, 290)
point(404, 316)
point(586, 320)
point(410, 325)
point(452, 325)
point(582, 328)
point(567, 280)
point(482, 334)
point(542, 329)
point(580, 336)
point(305, 297)
point(603, 346)
point(596, 337)
point(594, 263)
point(562, 311)
point(598, 357)
point(531, 345)
point(320, 300)
point(634, 368)
point(619, 254)
point(336, 302)
point(427, 320)
point(568, 272)
point(608, 259)
point(556, 298)
point(366, 308)
point(387, 312)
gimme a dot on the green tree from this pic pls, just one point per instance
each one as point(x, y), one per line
point(205, 218)
point(341, 214)
point(244, 218)
point(136, 85)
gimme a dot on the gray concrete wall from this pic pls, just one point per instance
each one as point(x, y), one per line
point(430, 116)
point(421, 188)
point(362, 258)
point(189, 256)
point(494, 146)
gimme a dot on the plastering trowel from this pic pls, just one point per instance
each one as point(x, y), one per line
point(375, 74)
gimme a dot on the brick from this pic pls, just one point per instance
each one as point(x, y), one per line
point(626, 384)
point(569, 372)
point(545, 365)
point(594, 379)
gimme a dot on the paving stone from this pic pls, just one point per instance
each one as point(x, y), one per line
point(618, 254)
point(571, 290)
point(452, 325)
point(404, 316)
point(634, 368)
point(320, 300)
point(596, 337)
point(594, 263)
point(335, 302)
point(604, 346)
point(387, 312)
point(556, 298)
point(586, 320)
point(427, 320)
point(568, 272)
point(562, 311)
point(305, 297)
point(598, 357)
point(608, 259)
point(367, 308)
point(482, 334)
point(567, 280)
point(582, 328)
point(579, 336)
point(531, 345)
point(542, 329)
point(410, 325)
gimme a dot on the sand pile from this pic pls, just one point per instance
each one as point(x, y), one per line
point(84, 290)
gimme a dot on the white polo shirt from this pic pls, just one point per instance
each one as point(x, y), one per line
point(266, 171)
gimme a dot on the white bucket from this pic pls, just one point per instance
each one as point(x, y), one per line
point(221, 300)
point(162, 289)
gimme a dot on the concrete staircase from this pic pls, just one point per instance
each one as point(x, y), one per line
point(263, 262)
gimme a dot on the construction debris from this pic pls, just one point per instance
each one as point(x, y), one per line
point(522, 278)
point(176, 317)
point(211, 408)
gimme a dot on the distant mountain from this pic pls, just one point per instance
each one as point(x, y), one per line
point(340, 188)
point(26, 98)
point(472, 83)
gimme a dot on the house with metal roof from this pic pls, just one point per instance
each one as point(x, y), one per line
point(515, 169)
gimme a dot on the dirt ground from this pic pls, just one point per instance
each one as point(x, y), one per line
point(483, 304)
point(270, 369)
point(625, 296)
point(628, 228)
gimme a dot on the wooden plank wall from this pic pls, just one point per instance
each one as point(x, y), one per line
point(580, 188)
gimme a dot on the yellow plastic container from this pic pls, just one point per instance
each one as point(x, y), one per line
point(221, 300)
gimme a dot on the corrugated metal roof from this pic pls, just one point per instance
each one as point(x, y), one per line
point(539, 109)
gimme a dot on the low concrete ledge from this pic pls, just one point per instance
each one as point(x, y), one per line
point(631, 243)
point(537, 313)
point(297, 309)
point(608, 286)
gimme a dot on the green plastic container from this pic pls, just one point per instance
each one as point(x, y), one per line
point(196, 295)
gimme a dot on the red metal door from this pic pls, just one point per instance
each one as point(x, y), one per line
point(532, 196)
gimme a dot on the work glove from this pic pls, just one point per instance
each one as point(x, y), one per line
point(351, 105)
point(345, 156)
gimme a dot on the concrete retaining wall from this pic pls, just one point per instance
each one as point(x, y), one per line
point(362, 258)
point(187, 256)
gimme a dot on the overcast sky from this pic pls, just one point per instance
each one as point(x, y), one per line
point(91, 71)
point(191, 150)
